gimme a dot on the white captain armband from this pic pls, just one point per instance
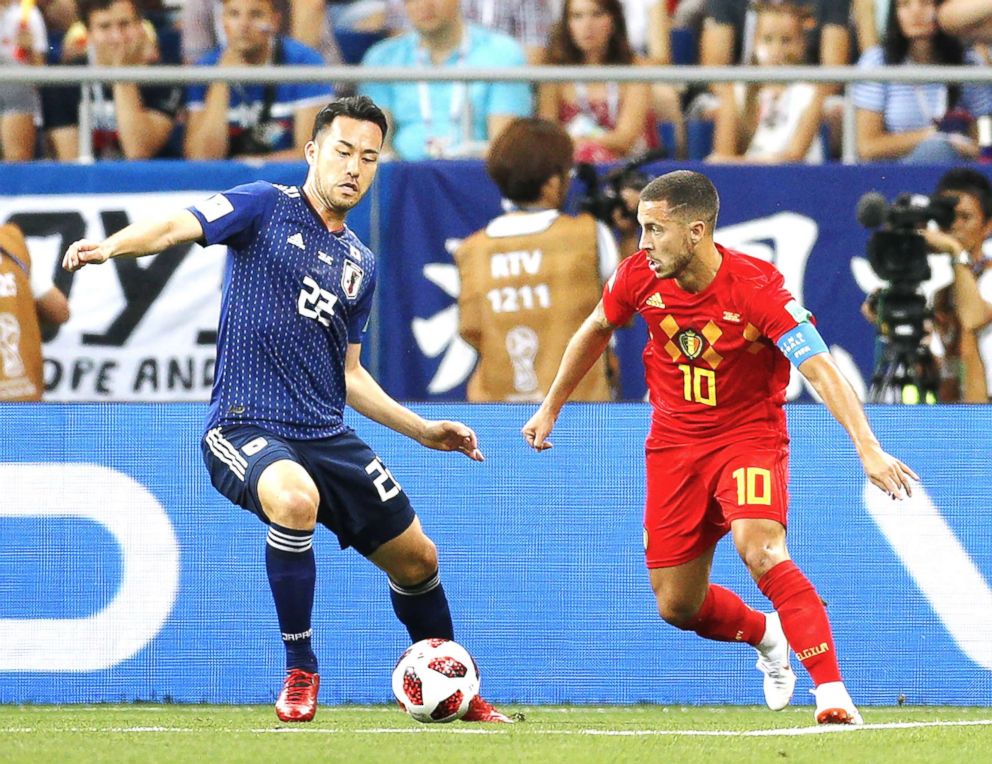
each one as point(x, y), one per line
point(801, 343)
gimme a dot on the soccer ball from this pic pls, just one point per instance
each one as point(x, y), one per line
point(435, 680)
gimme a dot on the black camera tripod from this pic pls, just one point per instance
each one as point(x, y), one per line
point(905, 372)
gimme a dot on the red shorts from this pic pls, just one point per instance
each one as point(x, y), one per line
point(695, 491)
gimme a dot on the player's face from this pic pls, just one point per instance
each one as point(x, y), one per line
point(970, 227)
point(343, 161)
point(666, 239)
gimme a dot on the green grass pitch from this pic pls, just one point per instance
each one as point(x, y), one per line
point(545, 734)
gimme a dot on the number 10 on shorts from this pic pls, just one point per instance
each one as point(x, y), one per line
point(754, 485)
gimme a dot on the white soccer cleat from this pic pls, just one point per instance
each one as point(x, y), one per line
point(773, 662)
point(834, 705)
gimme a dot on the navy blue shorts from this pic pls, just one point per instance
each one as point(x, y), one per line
point(359, 499)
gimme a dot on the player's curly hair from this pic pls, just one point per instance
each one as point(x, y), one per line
point(691, 193)
point(528, 153)
point(361, 108)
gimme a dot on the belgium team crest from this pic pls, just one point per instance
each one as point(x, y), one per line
point(351, 279)
point(691, 343)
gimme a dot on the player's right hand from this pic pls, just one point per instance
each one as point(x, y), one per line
point(538, 428)
point(82, 253)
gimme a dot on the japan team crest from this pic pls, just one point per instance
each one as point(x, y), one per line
point(691, 343)
point(351, 279)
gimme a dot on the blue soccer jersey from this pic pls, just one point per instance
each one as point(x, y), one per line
point(295, 296)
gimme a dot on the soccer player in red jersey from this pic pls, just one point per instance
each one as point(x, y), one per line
point(722, 332)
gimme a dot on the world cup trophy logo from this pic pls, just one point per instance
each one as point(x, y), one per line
point(10, 336)
point(522, 343)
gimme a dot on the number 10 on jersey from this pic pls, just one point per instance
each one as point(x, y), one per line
point(698, 385)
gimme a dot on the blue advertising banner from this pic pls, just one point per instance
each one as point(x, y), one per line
point(124, 576)
point(145, 332)
point(800, 218)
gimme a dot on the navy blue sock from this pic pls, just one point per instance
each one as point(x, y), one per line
point(292, 577)
point(423, 609)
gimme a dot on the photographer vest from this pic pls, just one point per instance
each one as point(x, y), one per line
point(20, 336)
point(528, 281)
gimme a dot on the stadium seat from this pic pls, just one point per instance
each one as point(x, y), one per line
point(685, 48)
point(698, 138)
point(354, 44)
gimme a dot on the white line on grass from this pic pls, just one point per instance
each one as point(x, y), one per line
point(441, 729)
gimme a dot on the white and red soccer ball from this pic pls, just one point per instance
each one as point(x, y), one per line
point(435, 680)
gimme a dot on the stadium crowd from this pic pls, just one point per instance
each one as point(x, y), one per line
point(726, 123)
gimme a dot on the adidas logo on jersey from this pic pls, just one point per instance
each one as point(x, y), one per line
point(296, 240)
point(293, 192)
point(655, 301)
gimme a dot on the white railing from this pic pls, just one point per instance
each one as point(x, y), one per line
point(670, 75)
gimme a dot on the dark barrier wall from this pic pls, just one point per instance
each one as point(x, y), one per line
point(124, 576)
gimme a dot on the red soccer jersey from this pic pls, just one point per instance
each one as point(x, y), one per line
point(711, 362)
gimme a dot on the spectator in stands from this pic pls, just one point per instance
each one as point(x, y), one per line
point(128, 120)
point(970, 19)
point(241, 120)
point(23, 42)
point(526, 21)
point(868, 20)
point(521, 332)
point(446, 119)
point(303, 20)
point(911, 122)
point(963, 311)
point(607, 120)
point(59, 15)
point(727, 39)
point(779, 122)
point(28, 301)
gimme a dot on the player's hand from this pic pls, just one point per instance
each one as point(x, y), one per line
point(538, 428)
point(888, 473)
point(84, 252)
point(452, 436)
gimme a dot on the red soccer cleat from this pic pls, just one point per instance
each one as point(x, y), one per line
point(298, 699)
point(480, 710)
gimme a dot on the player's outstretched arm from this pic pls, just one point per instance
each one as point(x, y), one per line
point(586, 345)
point(369, 399)
point(146, 237)
point(885, 471)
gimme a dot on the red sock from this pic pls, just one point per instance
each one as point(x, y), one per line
point(804, 620)
point(725, 618)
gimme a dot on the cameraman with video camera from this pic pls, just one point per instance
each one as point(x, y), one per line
point(532, 275)
point(962, 312)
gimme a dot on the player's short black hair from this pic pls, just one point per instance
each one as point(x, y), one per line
point(87, 8)
point(964, 180)
point(526, 155)
point(691, 193)
point(361, 108)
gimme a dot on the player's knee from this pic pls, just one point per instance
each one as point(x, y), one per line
point(677, 611)
point(762, 557)
point(294, 507)
point(418, 565)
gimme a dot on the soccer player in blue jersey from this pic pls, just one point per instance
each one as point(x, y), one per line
point(296, 300)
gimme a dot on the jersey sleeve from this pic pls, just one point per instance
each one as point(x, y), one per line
point(232, 217)
point(358, 318)
point(773, 310)
point(617, 303)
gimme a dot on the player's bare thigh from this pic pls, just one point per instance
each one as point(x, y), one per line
point(760, 543)
point(288, 495)
point(681, 589)
point(408, 559)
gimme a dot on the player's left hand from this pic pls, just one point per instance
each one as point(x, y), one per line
point(888, 473)
point(452, 436)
